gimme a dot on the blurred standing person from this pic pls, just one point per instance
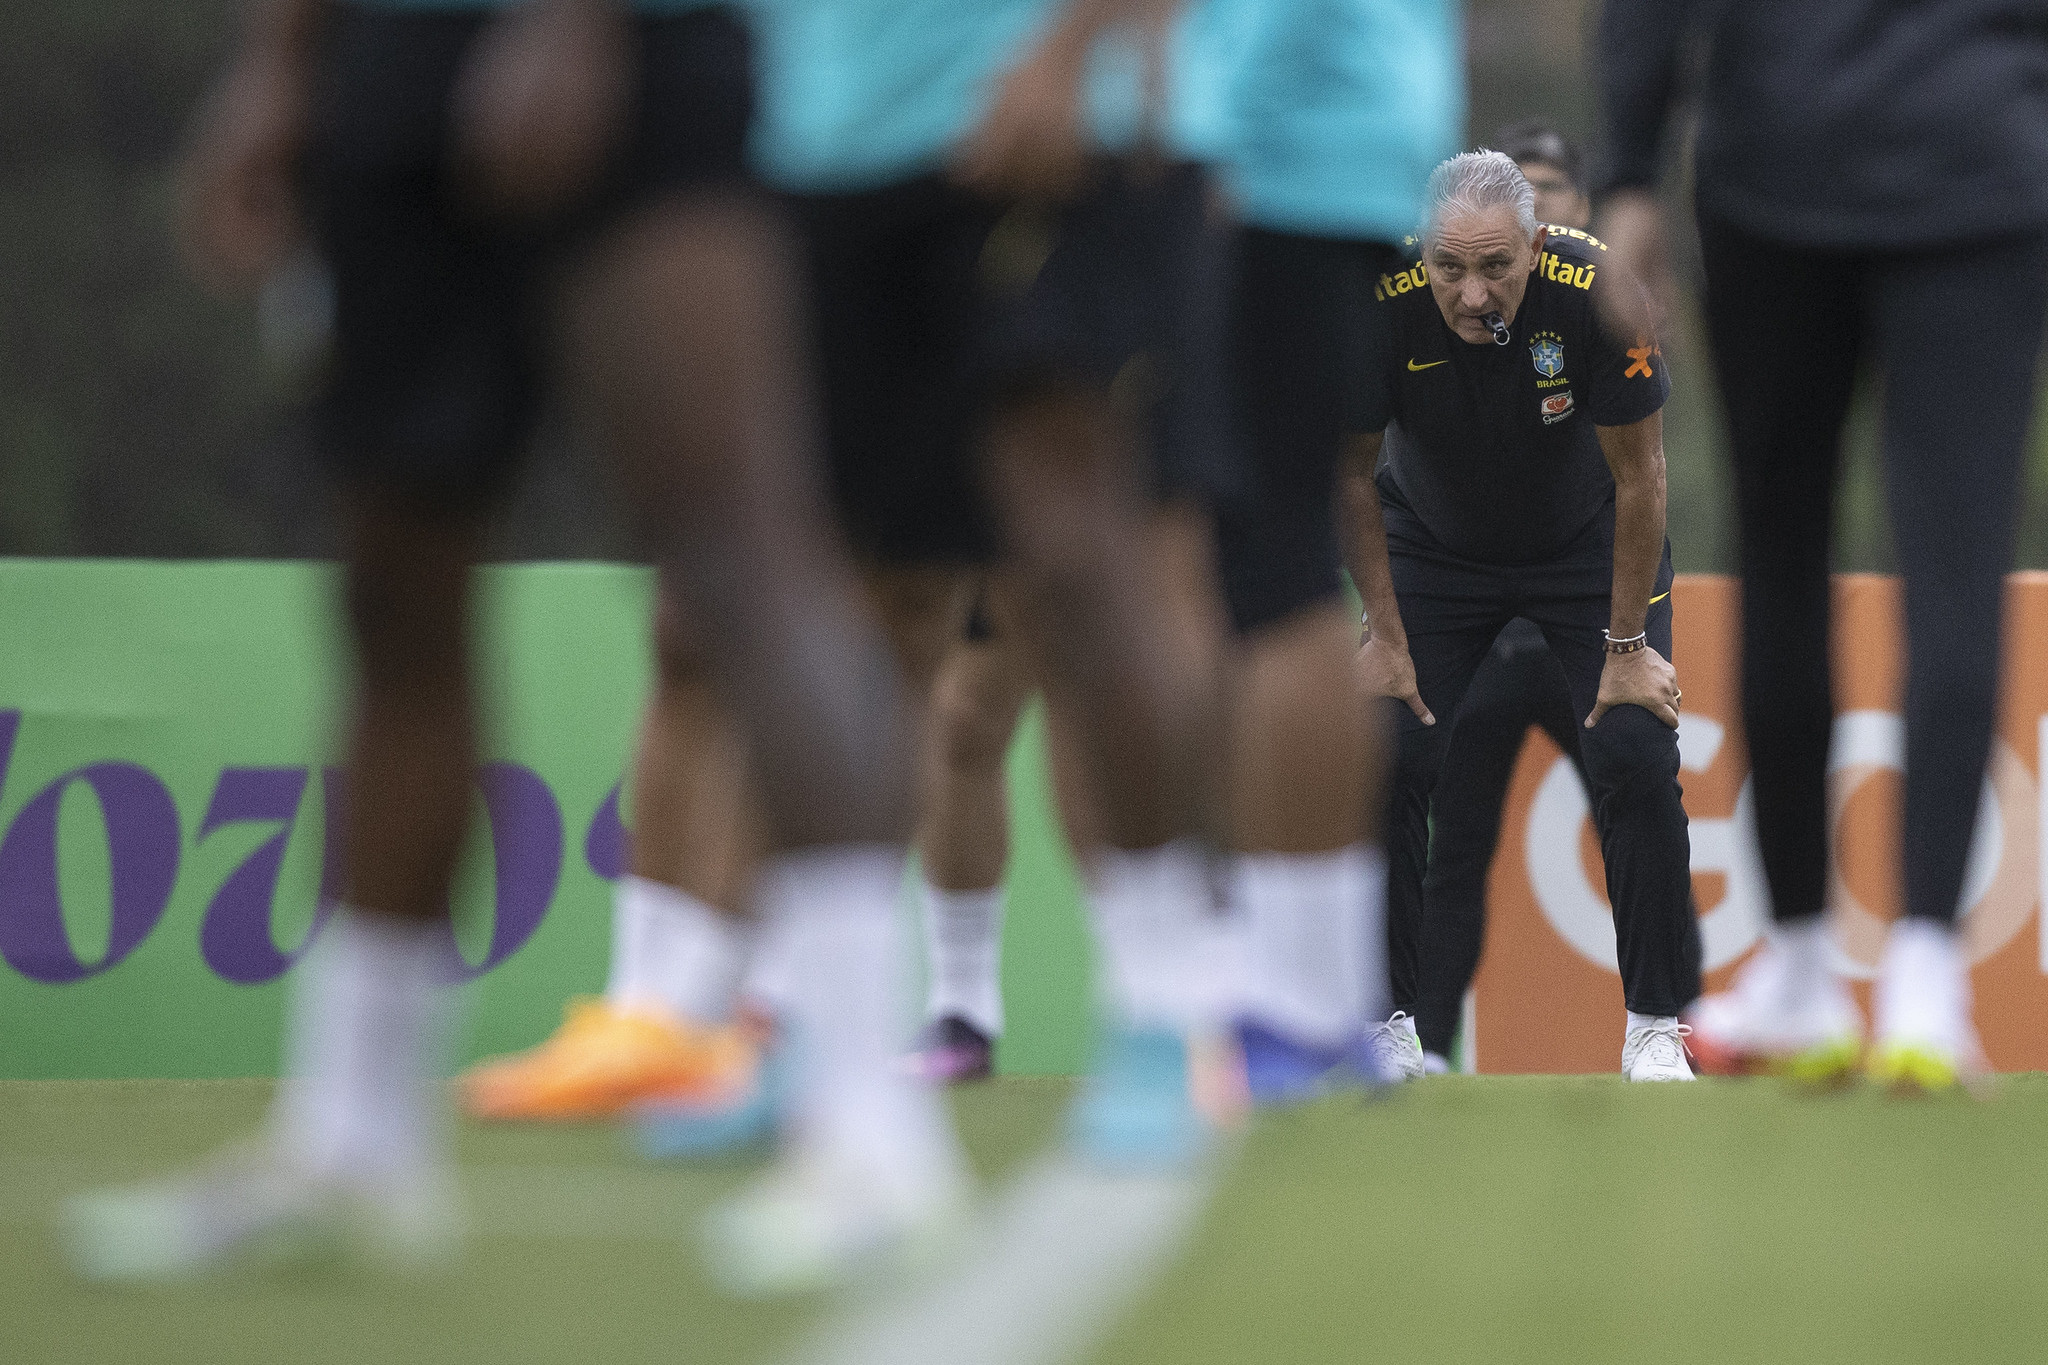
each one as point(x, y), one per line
point(1871, 182)
point(1340, 109)
point(1011, 257)
point(502, 192)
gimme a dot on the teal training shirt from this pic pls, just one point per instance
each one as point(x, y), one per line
point(1341, 108)
point(457, 6)
point(1200, 62)
point(856, 94)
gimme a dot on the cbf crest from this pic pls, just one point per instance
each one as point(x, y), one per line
point(1546, 352)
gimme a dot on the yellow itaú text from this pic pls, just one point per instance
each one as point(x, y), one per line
point(1401, 282)
point(1553, 267)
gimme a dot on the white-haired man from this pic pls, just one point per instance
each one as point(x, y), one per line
point(1524, 476)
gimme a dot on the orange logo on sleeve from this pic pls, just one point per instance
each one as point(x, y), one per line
point(1639, 356)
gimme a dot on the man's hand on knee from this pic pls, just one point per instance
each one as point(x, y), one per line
point(1642, 677)
point(1386, 670)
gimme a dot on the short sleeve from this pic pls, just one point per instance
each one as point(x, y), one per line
point(1630, 377)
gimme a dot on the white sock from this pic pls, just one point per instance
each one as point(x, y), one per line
point(1923, 985)
point(1154, 918)
point(1315, 936)
point(963, 933)
point(672, 952)
point(365, 1048)
point(1805, 949)
point(1636, 1021)
point(836, 908)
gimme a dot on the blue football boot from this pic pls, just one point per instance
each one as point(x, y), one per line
point(739, 1119)
point(1157, 1098)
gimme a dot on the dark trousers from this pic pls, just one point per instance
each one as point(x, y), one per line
point(1519, 684)
point(1452, 609)
point(1954, 335)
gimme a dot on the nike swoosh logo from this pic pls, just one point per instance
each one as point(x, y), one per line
point(1430, 366)
point(1660, 597)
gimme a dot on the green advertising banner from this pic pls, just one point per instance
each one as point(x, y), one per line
point(167, 741)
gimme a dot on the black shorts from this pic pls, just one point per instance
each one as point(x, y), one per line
point(437, 372)
point(932, 306)
point(1301, 320)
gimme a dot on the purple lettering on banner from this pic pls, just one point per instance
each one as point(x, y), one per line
point(142, 850)
point(604, 847)
point(235, 937)
point(526, 854)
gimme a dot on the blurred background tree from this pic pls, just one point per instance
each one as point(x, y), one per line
point(138, 416)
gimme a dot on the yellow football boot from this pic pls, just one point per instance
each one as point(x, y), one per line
point(601, 1060)
point(1926, 1040)
point(1776, 1019)
point(1906, 1068)
point(1822, 1065)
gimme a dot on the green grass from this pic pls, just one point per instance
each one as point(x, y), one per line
point(1489, 1219)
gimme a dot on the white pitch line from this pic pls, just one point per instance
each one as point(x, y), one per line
point(1062, 1253)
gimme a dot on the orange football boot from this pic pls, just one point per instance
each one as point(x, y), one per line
point(601, 1060)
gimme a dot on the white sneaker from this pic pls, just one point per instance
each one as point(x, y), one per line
point(251, 1208)
point(814, 1222)
point(1655, 1051)
point(1395, 1048)
point(1779, 1019)
point(1926, 1040)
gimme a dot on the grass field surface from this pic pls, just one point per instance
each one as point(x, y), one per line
point(1481, 1219)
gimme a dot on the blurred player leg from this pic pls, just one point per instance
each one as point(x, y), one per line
point(429, 398)
point(1787, 329)
point(1956, 334)
point(1309, 878)
point(1104, 448)
point(663, 1025)
point(963, 843)
point(1342, 108)
point(740, 1106)
point(687, 331)
point(1135, 692)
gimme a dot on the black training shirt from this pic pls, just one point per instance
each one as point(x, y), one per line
point(1493, 447)
point(1841, 123)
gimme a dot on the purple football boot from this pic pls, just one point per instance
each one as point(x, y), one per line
point(953, 1052)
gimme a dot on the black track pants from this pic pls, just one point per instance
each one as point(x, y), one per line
point(1519, 685)
point(1954, 335)
point(1452, 609)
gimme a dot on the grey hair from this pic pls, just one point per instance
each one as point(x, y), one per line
point(1475, 181)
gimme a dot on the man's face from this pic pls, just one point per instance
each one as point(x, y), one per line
point(1480, 263)
point(1557, 199)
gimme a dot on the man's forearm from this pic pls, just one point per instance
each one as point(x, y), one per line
point(1638, 550)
